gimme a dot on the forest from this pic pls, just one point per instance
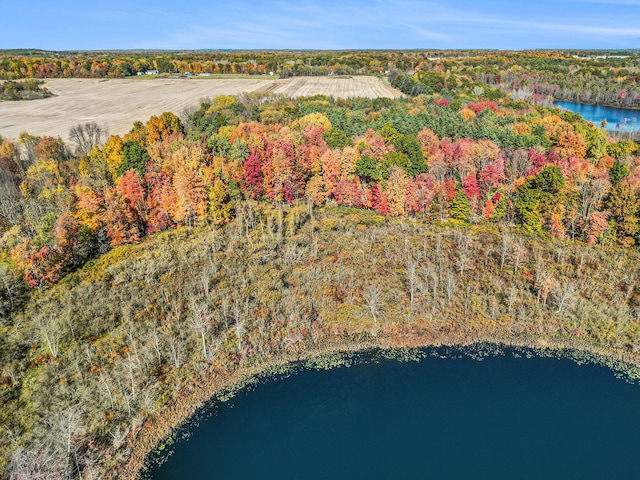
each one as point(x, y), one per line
point(507, 163)
point(137, 272)
point(599, 77)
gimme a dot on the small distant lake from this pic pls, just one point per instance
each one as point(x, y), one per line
point(596, 113)
point(450, 415)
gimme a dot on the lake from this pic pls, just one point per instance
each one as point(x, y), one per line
point(451, 415)
point(596, 113)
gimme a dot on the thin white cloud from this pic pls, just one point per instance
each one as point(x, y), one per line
point(391, 23)
point(306, 25)
point(427, 34)
point(635, 3)
point(603, 31)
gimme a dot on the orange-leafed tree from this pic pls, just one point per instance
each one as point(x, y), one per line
point(161, 128)
point(331, 162)
point(597, 227)
point(160, 201)
point(191, 196)
point(40, 266)
point(315, 191)
point(429, 142)
point(396, 191)
point(125, 214)
point(89, 208)
point(349, 192)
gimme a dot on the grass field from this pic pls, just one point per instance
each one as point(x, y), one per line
point(117, 103)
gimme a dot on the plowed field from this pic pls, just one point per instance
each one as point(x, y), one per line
point(117, 103)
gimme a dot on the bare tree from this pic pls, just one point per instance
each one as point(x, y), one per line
point(504, 249)
point(11, 205)
point(566, 292)
point(239, 328)
point(519, 251)
point(50, 332)
point(205, 280)
point(516, 163)
point(132, 379)
point(103, 380)
point(450, 285)
point(512, 297)
point(463, 261)
point(372, 295)
point(543, 281)
point(70, 422)
point(30, 464)
point(175, 345)
point(200, 319)
point(88, 135)
point(27, 146)
point(412, 279)
point(9, 289)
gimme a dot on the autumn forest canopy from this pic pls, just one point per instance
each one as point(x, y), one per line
point(430, 157)
point(259, 224)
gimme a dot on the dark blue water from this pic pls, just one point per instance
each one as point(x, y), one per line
point(440, 418)
point(622, 119)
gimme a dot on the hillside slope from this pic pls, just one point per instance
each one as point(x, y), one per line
point(145, 328)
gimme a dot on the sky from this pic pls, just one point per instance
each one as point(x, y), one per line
point(329, 24)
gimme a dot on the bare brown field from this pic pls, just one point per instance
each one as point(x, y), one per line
point(339, 87)
point(117, 103)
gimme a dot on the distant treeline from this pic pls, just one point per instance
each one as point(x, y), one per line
point(122, 64)
point(602, 77)
point(587, 76)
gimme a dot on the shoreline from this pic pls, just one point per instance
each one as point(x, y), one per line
point(596, 104)
point(158, 427)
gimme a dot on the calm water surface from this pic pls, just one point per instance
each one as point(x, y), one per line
point(596, 113)
point(505, 417)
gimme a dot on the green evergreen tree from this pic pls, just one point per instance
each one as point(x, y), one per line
point(527, 208)
point(394, 158)
point(549, 180)
point(549, 185)
point(460, 208)
point(389, 133)
point(135, 156)
point(618, 172)
point(368, 169)
point(623, 206)
point(411, 147)
point(336, 138)
point(500, 209)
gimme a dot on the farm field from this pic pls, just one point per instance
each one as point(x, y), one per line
point(339, 87)
point(117, 103)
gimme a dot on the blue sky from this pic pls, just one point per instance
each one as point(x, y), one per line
point(330, 24)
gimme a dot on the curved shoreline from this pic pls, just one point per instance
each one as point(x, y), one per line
point(158, 427)
point(596, 104)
